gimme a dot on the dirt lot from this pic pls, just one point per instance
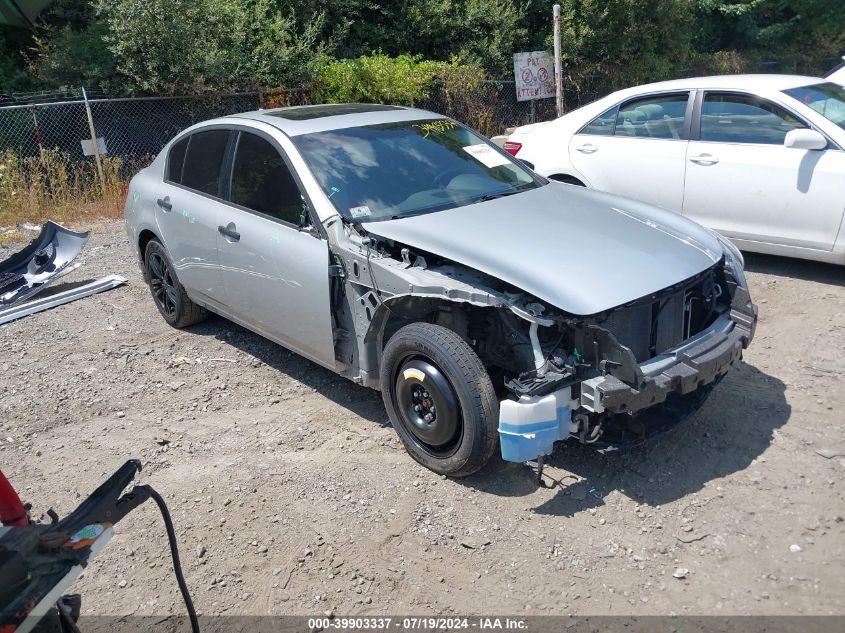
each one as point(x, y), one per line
point(291, 493)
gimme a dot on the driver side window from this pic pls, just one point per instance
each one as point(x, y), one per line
point(262, 182)
point(734, 118)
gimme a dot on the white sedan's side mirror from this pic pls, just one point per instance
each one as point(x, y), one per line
point(803, 138)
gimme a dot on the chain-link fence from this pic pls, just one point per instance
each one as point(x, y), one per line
point(491, 106)
point(135, 129)
point(131, 128)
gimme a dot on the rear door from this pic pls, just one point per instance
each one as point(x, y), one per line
point(187, 210)
point(637, 148)
point(275, 265)
point(743, 182)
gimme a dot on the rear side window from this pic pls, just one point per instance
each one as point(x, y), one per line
point(175, 160)
point(603, 124)
point(204, 161)
point(653, 117)
point(660, 117)
point(731, 118)
point(261, 181)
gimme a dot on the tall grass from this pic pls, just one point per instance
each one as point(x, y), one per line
point(56, 186)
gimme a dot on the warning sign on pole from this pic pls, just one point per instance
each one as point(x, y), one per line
point(534, 74)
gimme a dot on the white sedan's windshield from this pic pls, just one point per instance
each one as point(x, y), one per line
point(393, 170)
point(828, 99)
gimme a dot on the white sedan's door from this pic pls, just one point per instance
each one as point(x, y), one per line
point(637, 149)
point(743, 182)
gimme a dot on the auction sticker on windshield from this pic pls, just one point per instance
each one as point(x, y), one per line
point(359, 212)
point(486, 155)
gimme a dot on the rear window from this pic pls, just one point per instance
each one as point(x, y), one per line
point(204, 161)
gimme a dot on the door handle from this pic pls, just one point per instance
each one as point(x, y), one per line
point(229, 232)
point(587, 148)
point(704, 159)
point(164, 203)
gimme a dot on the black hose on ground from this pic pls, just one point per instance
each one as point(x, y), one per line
point(174, 554)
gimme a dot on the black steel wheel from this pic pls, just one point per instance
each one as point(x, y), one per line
point(440, 399)
point(428, 405)
point(169, 295)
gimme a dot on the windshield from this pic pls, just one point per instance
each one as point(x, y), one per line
point(393, 170)
point(827, 99)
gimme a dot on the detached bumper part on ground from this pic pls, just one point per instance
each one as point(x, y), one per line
point(529, 427)
point(41, 262)
point(60, 298)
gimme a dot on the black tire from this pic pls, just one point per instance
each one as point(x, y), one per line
point(168, 294)
point(459, 394)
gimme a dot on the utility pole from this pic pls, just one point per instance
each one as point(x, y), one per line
point(95, 148)
point(558, 65)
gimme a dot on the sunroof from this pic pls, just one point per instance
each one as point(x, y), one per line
point(304, 113)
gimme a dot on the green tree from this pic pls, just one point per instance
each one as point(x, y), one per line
point(483, 32)
point(643, 40)
point(799, 34)
point(69, 58)
point(13, 73)
point(376, 78)
point(168, 46)
point(480, 32)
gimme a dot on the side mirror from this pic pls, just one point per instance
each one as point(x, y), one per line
point(528, 164)
point(802, 138)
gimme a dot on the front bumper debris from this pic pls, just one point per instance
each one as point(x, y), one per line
point(40, 263)
point(698, 362)
point(60, 298)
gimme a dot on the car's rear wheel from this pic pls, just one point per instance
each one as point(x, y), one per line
point(169, 295)
point(440, 399)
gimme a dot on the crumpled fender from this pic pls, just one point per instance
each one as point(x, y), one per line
point(41, 262)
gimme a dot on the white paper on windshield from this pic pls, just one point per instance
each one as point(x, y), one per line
point(359, 212)
point(486, 155)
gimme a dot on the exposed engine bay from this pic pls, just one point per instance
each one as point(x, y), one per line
point(558, 375)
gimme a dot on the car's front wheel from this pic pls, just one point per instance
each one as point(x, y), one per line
point(169, 295)
point(440, 399)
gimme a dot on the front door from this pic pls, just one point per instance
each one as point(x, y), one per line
point(637, 149)
point(743, 182)
point(275, 268)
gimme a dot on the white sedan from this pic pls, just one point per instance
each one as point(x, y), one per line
point(837, 75)
point(758, 158)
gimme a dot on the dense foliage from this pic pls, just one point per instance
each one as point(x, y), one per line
point(170, 46)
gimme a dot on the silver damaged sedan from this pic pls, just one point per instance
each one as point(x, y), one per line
point(396, 247)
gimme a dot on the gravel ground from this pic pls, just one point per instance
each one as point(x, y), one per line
point(292, 495)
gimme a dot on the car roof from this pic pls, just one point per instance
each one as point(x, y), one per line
point(298, 120)
point(729, 82)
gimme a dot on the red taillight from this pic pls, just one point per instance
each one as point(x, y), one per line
point(511, 147)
